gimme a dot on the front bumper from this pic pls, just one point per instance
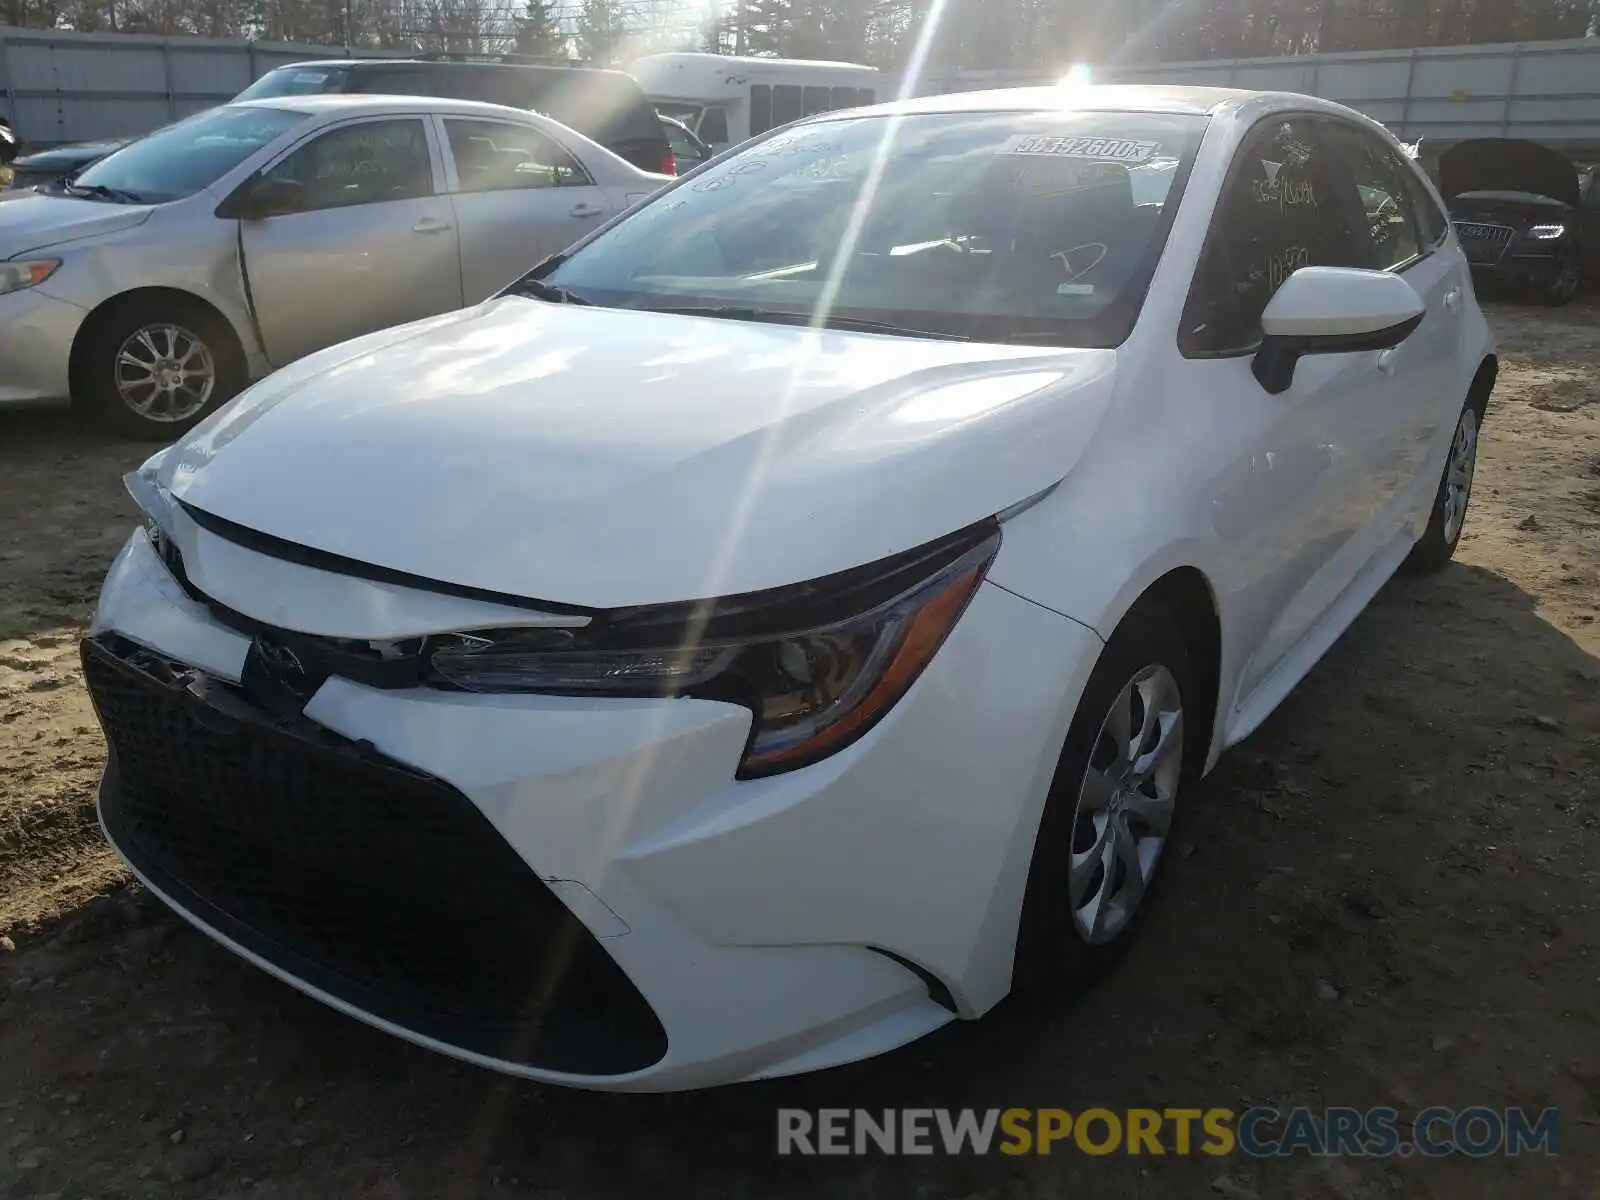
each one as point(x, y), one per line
point(36, 335)
point(577, 890)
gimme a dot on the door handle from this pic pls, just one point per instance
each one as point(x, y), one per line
point(431, 225)
point(1452, 299)
point(587, 210)
point(1386, 360)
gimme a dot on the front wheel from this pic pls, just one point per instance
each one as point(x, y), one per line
point(1438, 545)
point(154, 369)
point(1110, 812)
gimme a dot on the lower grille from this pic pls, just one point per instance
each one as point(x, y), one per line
point(377, 884)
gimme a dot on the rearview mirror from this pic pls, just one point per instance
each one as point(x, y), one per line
point(1332, 310)
point(271, 198)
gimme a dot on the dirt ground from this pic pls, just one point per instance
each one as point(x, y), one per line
point(1386, 897)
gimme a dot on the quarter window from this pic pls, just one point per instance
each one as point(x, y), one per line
point(1386, 200)
point(493, 157)
point(361, 164)
point(1285, 206)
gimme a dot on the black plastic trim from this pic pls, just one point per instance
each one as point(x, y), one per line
point(1276, 360)
point(325, 560)
point(618, 1036)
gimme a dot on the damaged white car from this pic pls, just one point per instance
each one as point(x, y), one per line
point(787, 622)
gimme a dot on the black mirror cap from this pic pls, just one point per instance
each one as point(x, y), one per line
point(1277, 357)
point(258, 199)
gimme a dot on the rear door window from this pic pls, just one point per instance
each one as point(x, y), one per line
point(495, 157)
point(1388, 204)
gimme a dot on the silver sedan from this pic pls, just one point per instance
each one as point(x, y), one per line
point(231, 243)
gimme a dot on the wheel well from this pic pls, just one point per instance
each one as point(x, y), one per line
point(109, 309)
point(1483, 384)
point(1186, 595)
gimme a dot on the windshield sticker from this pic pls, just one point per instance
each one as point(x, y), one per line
point(1102, 149)
point(310, 76)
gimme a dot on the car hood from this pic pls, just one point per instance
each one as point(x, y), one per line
point(34, 222)
point(602, 458)
point(1507, 165)
point(68, 158)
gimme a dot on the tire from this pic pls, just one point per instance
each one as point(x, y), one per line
point(1059, 952)
point(1564, 288)
point(172, 335)
point(1437, 546)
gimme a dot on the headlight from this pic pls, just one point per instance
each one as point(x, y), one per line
point(14, 276)
point(1547, 233)
point(155, 505)
point(817, 665)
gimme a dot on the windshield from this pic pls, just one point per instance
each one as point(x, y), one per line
point(295, 81)
point(1036, 227)
point(185, 158)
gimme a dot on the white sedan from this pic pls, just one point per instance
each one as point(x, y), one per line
point(788, 622)
point(160, 280)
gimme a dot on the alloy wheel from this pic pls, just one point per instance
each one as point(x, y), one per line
point(165, 373)
point(1125, 805)
point(1458, 474)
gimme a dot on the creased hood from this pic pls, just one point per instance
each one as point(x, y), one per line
point(1507, 165)
point(603, 458)
point(37, 222)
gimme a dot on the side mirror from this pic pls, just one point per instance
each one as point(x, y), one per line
point(1332, 310)
point(263, 198)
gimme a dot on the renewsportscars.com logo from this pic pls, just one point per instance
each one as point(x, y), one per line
point(1262, 1132)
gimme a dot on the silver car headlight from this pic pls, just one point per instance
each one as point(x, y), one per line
point(15, 276)
point(155, 504)
point(817, 664)
point(1547, 233)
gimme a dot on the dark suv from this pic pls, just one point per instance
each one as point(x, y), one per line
point(605, 106)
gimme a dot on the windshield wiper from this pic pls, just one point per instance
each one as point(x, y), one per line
point(777, 316)
point(539, 290)
point(104, 193)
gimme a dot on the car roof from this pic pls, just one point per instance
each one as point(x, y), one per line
point(374, 64)
point(1103, 97)
point(346, 103)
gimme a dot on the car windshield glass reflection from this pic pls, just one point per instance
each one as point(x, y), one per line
point(184, 158)
point(1035, 227)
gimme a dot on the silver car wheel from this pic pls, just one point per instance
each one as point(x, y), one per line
point(165, 373)
point(1458, 474)
point(1125, 805)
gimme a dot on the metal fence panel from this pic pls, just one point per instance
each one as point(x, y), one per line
point(68, 87)
point(1545, 91)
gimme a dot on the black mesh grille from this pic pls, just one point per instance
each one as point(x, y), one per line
point(375, 883)
point(1483, 244)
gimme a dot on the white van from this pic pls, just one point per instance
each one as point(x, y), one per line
point(725, 99)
